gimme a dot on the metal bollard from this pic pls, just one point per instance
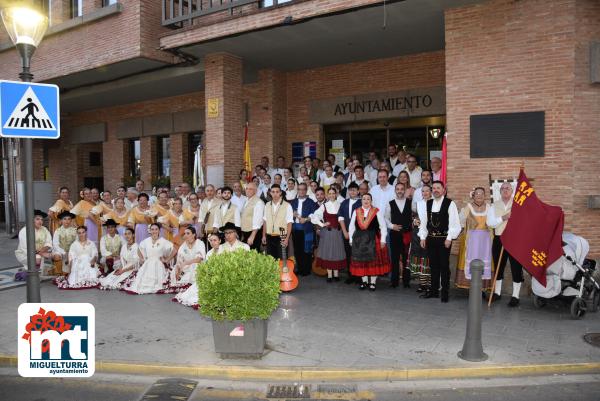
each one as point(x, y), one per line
point(473, 348)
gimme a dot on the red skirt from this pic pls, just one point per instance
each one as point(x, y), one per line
point(377, 267)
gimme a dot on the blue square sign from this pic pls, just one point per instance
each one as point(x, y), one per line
point(29, 110)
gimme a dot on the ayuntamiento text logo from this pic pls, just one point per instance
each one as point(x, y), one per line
point(56, 340)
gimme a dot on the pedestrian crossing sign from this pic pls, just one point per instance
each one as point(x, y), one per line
point(29, 110)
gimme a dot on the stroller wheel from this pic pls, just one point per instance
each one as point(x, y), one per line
point(578, 308)
point(595, 299)
point(538, 302)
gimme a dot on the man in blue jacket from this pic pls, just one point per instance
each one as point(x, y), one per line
point(347, 207)
point(302, 230)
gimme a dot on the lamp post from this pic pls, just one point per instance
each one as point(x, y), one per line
point(26, 28)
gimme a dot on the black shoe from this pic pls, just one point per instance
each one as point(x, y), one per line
point(431, 295)
point(329, 280)
point(371, 287)
point(514, 302)
point(496, 297)
point(394, 284)
point(420, 289)
point(406, 285)
point(362, 286)
point(444, 298)
point(336, 279)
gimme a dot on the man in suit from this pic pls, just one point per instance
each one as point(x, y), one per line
point(302, 230)
point(347, 207)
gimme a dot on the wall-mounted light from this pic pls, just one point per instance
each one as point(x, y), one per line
point(435, 132)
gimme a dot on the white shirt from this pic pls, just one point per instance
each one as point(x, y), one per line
point(417, 197)
point(388, 211)
point(436, 176)
point(257, 214)
point(454, 227)
point(223, 209)
point(350, 204)
point(227, 247)
point(382, 196)
point(104, 250)
point(289, 213)
point(332, 208)
point(415, 177)
point(495, 221)
point(398, 168)
point(239, 201)
point(372, 175)
point(327, 181)
point(291, 194)
point(129, 204)
point(380, 220)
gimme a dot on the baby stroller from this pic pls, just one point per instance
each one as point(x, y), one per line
point(571, 278)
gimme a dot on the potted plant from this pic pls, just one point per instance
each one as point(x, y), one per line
point(238, 291)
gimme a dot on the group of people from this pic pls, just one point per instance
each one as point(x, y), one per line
point(390, 217)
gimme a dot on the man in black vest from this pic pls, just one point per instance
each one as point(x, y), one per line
point(398, 218)
point(439, 226)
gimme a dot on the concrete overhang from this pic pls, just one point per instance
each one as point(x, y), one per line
point(377, 31)
point(170, 81)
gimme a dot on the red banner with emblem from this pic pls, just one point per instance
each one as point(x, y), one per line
point(533, 233)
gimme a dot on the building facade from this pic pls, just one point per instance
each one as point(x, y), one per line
point(143, 83)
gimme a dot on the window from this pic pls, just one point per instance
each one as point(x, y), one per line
point(95, 159)
point(106, 3)
point(270, 3)
point(194, 140)
point(135, 162)
point(164, 156)
point(76, 8)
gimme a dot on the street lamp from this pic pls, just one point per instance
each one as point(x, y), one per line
point(26, 28)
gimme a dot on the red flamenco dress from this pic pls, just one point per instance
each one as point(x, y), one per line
point(368, 258)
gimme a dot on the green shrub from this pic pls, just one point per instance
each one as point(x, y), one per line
point(241, 285)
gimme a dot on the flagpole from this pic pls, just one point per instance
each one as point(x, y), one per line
point(496, 277)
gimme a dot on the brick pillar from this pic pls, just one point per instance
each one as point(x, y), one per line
point(149, 166)
point(224, 130)
point(115, 159)
point(179, 158)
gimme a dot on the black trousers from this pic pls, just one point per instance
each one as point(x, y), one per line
point(439, 260)
point(397, 254)
point(257, 239)
point(303, 259)
point(274, 246)
point(515, 267)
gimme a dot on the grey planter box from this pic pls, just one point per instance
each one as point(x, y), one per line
point(250, 345)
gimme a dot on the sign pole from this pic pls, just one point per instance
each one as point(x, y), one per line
point(33, 274)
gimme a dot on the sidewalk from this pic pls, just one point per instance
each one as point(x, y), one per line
point(328, 326)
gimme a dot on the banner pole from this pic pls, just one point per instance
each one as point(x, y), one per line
point(495, 277)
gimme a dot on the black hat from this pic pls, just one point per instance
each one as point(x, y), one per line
point(229, 226)
point(64, 214)
point(37, 212)
point(110, 222)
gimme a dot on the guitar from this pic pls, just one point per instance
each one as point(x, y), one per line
point(288, 280)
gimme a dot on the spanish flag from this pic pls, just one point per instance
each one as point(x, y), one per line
point(533, 233)
point(247, 162)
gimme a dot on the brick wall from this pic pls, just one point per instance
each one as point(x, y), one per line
point(115, 156)
point(129, 34)
point(508, 56)
point(390, 74)
point(586, 130)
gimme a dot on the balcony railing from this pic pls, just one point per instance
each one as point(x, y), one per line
point(178, 13)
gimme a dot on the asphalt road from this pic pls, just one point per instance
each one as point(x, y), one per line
point(136, 388)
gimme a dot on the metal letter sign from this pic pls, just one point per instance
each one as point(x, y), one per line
point(29, 110)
